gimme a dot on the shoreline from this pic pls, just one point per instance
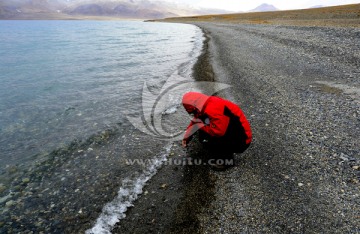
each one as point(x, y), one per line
point(295, 177)
point(68, 191)
point(299, 175)
point(176, 195)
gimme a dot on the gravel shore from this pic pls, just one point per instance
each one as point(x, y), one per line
point(299, 87)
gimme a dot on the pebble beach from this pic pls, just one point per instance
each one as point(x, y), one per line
point(299, 87)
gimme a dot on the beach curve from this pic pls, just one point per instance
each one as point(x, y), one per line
point(301, 173)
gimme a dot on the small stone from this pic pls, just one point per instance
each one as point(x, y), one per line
point(16, 188)
point(146, 192)
point(2, 188)
point(300, 184)
point(26, 180)
point(38, 224)
point(9, 203)
point(344, 157)
point(12, 169)
point(355, 167)
point(164, 186)
point(240, 213)
point(287, 177)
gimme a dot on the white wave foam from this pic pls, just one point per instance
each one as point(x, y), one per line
point(171, 110)
point(129, 191)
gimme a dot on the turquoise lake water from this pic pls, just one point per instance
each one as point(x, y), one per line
point(66, 80)
point(67, 88)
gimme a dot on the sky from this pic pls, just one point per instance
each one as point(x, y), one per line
point(245, 5)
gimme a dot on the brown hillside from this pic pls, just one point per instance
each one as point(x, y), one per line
point(346, 15)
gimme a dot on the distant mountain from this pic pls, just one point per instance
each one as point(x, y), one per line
point(264, 7)
point(317, 6)
point(138, 9)
point(10, 9)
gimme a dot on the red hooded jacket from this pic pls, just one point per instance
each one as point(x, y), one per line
point(216, 117)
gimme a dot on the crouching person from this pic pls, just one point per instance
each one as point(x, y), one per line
point(221, 125)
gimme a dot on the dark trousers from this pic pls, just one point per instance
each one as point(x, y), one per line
point(224, 145)
point(218, 148)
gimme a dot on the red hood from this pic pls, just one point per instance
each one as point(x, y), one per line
point(193, 100)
